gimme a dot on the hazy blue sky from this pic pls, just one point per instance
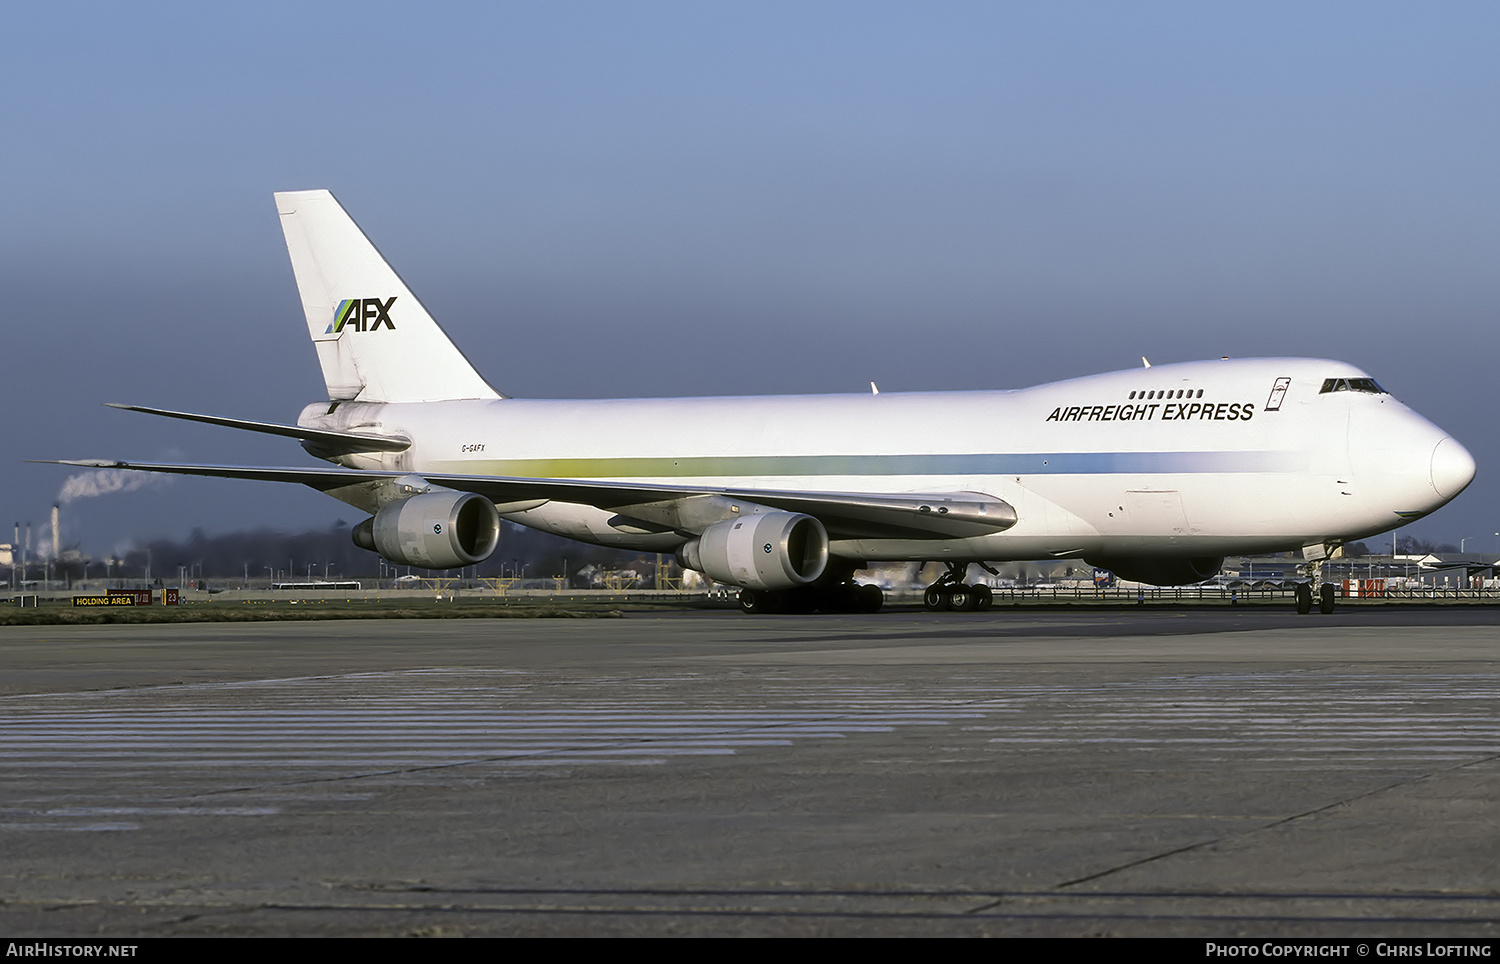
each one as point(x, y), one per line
point(602, 199)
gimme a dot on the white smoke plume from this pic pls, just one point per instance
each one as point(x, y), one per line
point(87, 485)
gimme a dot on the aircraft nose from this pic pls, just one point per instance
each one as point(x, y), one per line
point(1452, 468)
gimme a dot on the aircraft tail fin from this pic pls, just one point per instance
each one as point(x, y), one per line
point(374, 339)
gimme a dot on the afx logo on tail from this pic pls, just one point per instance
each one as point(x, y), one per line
point(362, 314)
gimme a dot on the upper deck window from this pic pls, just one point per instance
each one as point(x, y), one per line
point(1366, 385)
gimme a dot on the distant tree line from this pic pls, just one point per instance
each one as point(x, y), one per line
point(1405, 545)
point(1412, 546)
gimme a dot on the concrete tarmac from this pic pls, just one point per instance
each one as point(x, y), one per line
point(1212, 774)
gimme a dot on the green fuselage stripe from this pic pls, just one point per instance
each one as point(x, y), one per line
point(1066, 463)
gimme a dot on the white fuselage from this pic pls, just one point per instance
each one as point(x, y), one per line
point(1201, 458)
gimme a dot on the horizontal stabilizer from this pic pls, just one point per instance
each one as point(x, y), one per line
point(326, 441)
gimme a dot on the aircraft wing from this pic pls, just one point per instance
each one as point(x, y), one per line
point(933, 515)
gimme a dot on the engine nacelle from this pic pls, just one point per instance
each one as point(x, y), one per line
point(772, 550)
point(1162, 570)
point(438, 530)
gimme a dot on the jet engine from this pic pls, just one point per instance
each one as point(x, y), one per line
point(772, 550)
point(438, 530)
point(1162, 570)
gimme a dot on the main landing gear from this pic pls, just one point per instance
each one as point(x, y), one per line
point(844, 597)
point(1304, 591)
point(949, 592)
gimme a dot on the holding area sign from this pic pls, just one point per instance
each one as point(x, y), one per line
point(123, 597)
point(109, 600)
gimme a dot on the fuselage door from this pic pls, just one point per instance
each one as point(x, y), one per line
point(1278, 392)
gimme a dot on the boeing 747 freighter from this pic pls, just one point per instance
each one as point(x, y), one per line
point(1155, 473)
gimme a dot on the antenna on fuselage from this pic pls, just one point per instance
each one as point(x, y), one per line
point(1144, 362)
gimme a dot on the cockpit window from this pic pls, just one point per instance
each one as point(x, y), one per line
point(1366, 385)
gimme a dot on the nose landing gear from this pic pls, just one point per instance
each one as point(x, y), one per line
point(1326, 594)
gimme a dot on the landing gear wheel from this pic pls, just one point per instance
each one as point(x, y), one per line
point(1326, 596)
point(1304, 599)
point(961, 599)
point(752, 603)
point(870, 599)
point(759, 602)
point(984, 598)
point(935, 599)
